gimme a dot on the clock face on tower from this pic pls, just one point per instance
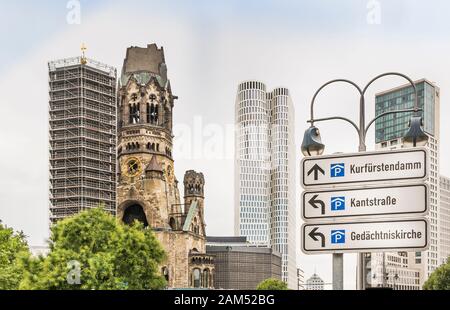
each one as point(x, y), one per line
point(133, 167)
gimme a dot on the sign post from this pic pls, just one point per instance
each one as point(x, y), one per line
point(380, 201)
point(365, 202)
point(370, 236)
point(365, 168)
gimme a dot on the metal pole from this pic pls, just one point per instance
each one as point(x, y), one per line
point(338, 271)
point(338, 268)
point(338, 259)
point(362, 148)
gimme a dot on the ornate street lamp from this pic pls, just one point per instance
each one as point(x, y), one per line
point(415, 136)
point(312, 144)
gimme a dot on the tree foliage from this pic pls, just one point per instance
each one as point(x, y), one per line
point(92, 250)
point(12, 247)
point(272, 285)
point(439, 279)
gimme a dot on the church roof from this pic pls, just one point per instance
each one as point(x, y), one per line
point(143, 59)
point(154, 165)
point(143, 63)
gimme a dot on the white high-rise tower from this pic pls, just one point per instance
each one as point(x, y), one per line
point(265, 172)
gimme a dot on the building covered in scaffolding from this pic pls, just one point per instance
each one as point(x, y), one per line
point(82, 117)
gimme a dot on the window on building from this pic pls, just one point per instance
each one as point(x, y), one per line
point(196, 277)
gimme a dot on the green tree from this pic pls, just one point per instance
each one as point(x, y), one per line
point(93, 250)
point(440, 278)
point(272, 285)
point(12, 247)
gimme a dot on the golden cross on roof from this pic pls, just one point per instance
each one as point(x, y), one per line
point(83, 55)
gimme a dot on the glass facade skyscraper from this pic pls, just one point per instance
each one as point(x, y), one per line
point(265, 172)
point(394, 126)
point(389, 131)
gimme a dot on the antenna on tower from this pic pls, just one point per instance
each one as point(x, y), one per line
point(83, 55)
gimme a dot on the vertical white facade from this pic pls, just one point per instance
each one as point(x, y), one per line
point(429, 100)
point(252, 167)
point(429, 260)
point(265, 172)
point(444, 219)
point(398, 270)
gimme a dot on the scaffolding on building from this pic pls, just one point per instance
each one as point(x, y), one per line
point(82, 133)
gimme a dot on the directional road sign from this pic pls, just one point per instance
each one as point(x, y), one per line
point(366, 167)
point(370, 201)
point(367, 236)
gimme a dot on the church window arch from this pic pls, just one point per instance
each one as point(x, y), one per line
point(153, 113)
point(165, 273)
point(206, 278)
point(195, 226)
point(134, 113)
point(196, 278)
point(172, 223)
point(134, 213)
point(130, 113)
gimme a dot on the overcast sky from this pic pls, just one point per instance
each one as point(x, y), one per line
point(210, 46)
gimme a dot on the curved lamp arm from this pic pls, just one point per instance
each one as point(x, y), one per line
point(387, 113)
point(416, 99)
point(312, 120)
point(336, 117)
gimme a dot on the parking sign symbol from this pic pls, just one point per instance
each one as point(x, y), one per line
point(337, 170)
point(337, 203)
point(338, 236)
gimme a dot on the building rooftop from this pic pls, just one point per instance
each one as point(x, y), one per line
point(315, 277)
point(143, 59)
point(226, 239)
point(76, 61)
point(403, 86)
point(154, 165)
point(241, 249)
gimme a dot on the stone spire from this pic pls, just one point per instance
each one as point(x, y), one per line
point(154, 169)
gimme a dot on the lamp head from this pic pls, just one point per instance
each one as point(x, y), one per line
point(415, 136)
point(312, 143)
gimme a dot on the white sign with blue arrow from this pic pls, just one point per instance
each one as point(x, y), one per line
point(380, 201)
point(366, 167)
point(369, 236)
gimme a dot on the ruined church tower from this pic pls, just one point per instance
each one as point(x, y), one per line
point(147, 188)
